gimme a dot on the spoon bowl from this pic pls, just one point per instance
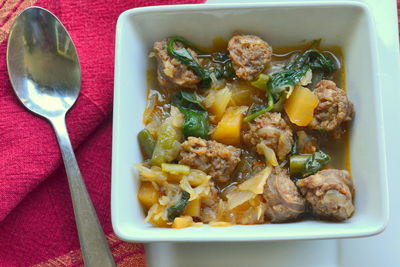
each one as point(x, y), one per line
point(43, 63)
point(45, 74)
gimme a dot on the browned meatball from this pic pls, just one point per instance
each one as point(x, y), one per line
point(329, 192)
point(213, 158)
point(170, 71)
point(249, 55)
point(284, 202)
point(333, 108)
point(273, 131)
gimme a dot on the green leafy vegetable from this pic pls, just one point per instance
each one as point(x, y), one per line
point(315, 60)
point(187, 100)
point(167, 146)
point(183, 55)
point(177, 209)
point(316, 162)
point(196, 123)
point(196, 116)
point(297, 163)
point(146, 142)
point(221, 65)
point(258, 113)
point(307, 164)
point(280, 82)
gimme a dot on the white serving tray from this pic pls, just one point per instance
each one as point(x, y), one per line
point(382, 250)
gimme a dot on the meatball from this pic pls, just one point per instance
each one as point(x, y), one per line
point(329, 193)
point(217, 160)
point(273, 131)
point(284, 202)
point(171, 72)
point(249, 55)
point(333, 108)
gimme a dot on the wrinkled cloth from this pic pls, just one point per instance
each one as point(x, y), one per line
point(36, 217)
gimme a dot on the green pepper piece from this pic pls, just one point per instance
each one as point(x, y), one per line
point(186, 58)
point(165, 149)
point(297, 163)
point(177, 209)
point(146, 142)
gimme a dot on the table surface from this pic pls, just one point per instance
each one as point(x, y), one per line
point(381, 250)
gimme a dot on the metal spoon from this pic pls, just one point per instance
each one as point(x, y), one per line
point(45, 73)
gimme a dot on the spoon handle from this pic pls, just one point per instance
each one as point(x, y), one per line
point(95, 250)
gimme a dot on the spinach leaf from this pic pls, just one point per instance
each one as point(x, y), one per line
point(187, 100)
point(315, 59)
point(282, 80)
point(196, 123)
point(316, 162)
point(177, 209)
point(186, 58)
point(196, 116)
point(223, 65)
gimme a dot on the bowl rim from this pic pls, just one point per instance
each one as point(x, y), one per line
point(143, 236)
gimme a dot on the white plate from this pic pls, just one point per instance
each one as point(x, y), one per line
point(381, 250)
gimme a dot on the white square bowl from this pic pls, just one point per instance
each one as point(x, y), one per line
point(346, 24)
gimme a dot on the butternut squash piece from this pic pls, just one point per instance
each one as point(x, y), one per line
point(148, 195)
point(182, 222)
point(300, 106)
point(193, 208)
point(228, 129)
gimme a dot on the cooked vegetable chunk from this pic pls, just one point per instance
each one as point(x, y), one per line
point(308, 164)
point(193, 208)
point(330, 194)
point(167, 146)
point(228, 129)
point(147, 142)
point(300, 106)
point(213, 158)
point(148, 195)
point(182, 222)
point(249, 54)
point(217, 101)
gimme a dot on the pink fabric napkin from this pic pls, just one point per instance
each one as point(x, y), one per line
point(36, 217)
